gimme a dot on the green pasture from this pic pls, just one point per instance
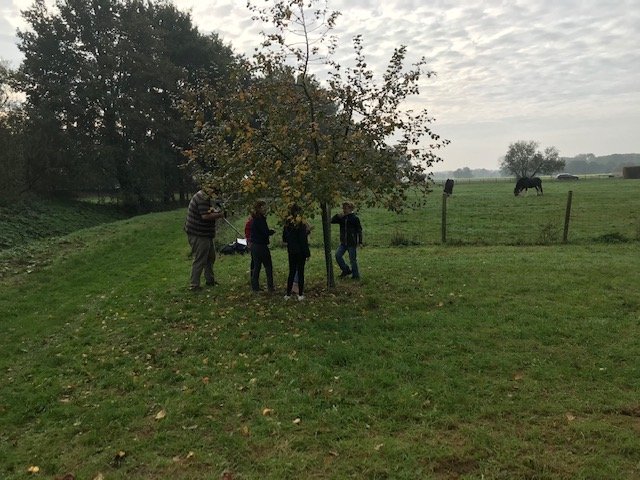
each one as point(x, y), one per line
point(497, 356)
point(487, 213)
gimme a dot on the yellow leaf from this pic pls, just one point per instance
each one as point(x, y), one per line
point(245, 431)
point(378, 447)
point(99, 477)
point(33, 469)
point(267, 411)
point(190, 455)
point(297, 421)
point(161, 414)
point(570, 417)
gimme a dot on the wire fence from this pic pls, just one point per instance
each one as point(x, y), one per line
point(488, 213)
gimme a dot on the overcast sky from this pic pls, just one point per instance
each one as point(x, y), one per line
point(565, 73)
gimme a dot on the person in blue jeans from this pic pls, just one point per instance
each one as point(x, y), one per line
point(350, 239)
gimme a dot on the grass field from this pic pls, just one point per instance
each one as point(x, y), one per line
point(497, 357)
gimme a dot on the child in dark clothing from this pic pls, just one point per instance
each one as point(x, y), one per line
point(295, 234)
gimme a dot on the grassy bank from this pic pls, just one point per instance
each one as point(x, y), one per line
point(444, 362)
point(26, 221)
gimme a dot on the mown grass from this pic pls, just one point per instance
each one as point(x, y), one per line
point(444, 362)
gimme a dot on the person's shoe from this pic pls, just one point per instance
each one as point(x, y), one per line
point(211, 284)
point(287, 297)
point(345, 273)
point(300, 298)
point(195, 288)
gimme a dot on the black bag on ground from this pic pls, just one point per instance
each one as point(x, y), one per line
point(239, 246)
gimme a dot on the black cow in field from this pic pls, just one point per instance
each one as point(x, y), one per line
point(525, 183)
point(448, 186)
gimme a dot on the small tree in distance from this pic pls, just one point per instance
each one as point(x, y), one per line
point(523, 159)
point(285, 136)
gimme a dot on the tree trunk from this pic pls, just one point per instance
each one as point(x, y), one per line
point(326, 237)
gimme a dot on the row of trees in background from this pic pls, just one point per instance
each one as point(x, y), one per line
point(588, 163)
point(583, 164)
point(102, 81)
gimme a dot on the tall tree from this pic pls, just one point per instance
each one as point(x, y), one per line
point(12, 179)
point(102, 79)
point(291, 138)
point(523, 159)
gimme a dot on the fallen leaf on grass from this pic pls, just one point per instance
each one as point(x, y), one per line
point(518, 376)
point(33, 469)
point(297, 421)
point(378, 447)
point(245, 431)
point(160, 415)
point(99, 476)
point(205, 380)
point(267, 411)
point(570, 417)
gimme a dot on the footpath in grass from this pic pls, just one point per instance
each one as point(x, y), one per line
point(444, 362)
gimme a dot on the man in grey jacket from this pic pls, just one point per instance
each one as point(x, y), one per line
point(200, 226)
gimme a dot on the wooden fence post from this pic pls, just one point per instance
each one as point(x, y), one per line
point(567, 216)
point(444, 218)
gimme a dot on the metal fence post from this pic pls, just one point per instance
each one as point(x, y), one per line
point(567, 216)
point(444, 218)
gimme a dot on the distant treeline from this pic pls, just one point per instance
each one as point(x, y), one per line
point(588, 163)
point(585, 163)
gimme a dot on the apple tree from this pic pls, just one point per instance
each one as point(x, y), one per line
point(302, 128)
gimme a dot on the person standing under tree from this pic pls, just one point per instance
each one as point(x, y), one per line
point(260, 253)
point(247, 236)
point(350, 239)
point(200, 226)
point(295, 234)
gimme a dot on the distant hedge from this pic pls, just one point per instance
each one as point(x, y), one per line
point(631, 172)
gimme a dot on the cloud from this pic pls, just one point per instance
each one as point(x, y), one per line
point(503, 68)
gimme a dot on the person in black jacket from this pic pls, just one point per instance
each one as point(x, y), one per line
point(260, 253)
point(350, 239)
point(295, 234)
